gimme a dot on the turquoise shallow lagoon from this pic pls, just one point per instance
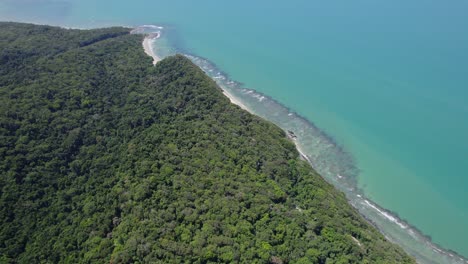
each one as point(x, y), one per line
point(382, 85)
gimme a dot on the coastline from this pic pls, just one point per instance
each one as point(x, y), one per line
point(342, 180)
point(341, 173)
point(148, 43)
point(359, 198)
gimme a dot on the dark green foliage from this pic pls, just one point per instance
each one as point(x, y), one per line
point(106, 159)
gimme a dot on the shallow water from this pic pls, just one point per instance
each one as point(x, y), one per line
point(385, 81)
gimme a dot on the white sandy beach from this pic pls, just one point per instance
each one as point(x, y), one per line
point(148, 46)
point(235, 101)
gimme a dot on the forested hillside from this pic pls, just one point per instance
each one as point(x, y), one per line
point(105, 158)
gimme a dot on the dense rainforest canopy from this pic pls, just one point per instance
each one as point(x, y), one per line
point(105, 158)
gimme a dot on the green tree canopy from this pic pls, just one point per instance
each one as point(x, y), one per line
point(107, 159)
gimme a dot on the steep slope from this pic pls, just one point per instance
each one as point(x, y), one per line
point(105, 158)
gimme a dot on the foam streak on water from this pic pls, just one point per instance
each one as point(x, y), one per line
point(328, 158)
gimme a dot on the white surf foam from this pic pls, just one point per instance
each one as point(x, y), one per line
point(386, 215)
point(152, 26)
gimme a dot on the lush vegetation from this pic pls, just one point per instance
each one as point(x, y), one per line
point(107, 159)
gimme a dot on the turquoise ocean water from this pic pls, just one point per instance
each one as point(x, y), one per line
point(377, 92)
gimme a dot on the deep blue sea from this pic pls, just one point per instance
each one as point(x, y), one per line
point(376, 90)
